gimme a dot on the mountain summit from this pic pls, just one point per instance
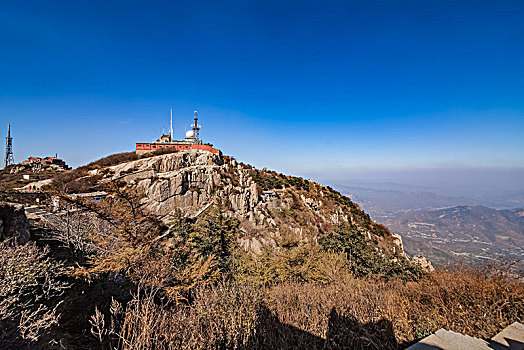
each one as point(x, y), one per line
point(266, 203)
point(274, 212)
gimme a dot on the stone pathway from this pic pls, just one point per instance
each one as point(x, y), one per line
point(512, 337)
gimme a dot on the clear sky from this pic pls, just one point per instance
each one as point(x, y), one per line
point(319, 88)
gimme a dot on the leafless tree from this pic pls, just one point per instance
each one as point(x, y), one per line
point(77, 230)
point(30, 283)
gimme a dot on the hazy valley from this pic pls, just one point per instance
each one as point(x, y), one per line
point(446, 228)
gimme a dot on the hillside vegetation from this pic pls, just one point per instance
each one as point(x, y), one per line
point(300, 266)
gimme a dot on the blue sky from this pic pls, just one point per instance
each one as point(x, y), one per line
point(314, 88)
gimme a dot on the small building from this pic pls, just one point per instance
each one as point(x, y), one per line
point(92, 196)
point(33, 177)
point(45, 162)
point(189, 143)
point(269, 195)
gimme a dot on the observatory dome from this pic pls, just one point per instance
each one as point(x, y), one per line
point(190, 133)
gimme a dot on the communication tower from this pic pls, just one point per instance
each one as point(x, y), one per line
point(171, 126)
point(195, 126)
point(9, 159)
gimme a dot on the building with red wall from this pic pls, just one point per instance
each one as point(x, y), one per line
point(45, 161)
point(146, 147)
point(190, 143)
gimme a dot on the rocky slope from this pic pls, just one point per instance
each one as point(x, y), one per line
point(270, 206)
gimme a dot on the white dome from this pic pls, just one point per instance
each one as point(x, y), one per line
point(190, 133)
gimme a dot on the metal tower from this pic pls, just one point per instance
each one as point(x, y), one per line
point(9, 148)
point(195, 126)
point(171, 126)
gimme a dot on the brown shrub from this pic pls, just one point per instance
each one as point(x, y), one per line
point(222, 316)
point(466, 300)
point(354, 313)
point(29, 292)
point(78, 180)
point(112, 159)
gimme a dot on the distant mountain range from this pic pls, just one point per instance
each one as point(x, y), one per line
point(385, 199)
point(470, 232)
point(387, 203)
point(446, 228)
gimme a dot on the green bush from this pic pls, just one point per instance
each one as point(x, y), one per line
point(215, 236)
point(267, 180)
point(364, 259)
point(270, 180)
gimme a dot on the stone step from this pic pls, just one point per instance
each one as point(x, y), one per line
point(510, 338)
point(449, 340)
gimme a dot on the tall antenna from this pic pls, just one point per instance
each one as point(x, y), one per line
point(195, 126)
point(171, 128)
point(9, 159)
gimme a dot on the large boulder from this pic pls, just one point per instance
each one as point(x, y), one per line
point(13, 223)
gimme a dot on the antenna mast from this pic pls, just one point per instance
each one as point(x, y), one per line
point(195, 126)
point(9, 159)
point(171, 128)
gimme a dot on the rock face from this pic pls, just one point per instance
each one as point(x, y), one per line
point(13, 223)
point(185, 181)
point(423, 262)
point(268, 205)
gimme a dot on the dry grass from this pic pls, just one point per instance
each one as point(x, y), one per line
point(354, 313)
point(222, 316)
point(463, 300)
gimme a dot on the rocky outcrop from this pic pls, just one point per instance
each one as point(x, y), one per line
point(189, 181)
point(423, 262)
point(186, 181)
point(13, 223)
point(168, 162)
point(397, 240)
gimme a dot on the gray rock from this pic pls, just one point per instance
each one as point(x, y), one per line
point(188, 181)
point(510, 338)
point(14, 224)
point(448, 340)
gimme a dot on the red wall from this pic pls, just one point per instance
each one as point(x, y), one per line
point(155, 146)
